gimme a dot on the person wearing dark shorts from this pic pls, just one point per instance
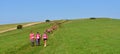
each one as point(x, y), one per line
point(45, 37)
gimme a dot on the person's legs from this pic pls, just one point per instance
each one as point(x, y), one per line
point(44, 43)
point(37, 42)
point(32, 42)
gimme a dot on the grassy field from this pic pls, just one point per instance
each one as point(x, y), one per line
point(100, 36)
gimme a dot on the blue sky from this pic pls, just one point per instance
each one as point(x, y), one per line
point(16, 11)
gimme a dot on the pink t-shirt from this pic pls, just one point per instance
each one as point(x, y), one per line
point(37, 36)
point(45, 36)
point(48, 30)
point(31, 36)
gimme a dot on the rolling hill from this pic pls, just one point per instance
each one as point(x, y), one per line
point(81, 36)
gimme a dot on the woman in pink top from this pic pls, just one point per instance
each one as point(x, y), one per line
point(32, 38)
point(49, 30)
point(38, 38)
point(45, 37)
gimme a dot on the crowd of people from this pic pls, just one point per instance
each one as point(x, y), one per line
point(36, 38)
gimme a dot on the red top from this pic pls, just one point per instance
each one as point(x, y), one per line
point(45, 36)
point(31, 36)
point(37, 36)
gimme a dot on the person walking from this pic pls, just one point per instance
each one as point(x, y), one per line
point(38, 36)
point(45, 37)
point(31, 38)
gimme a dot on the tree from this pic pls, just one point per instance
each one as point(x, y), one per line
point(19, 26)
point(92, 18)
point(47, 20)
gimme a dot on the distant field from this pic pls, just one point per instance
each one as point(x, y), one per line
point(85, 36)
point(8, 26)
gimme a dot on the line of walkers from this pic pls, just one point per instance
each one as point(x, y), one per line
point(44, 36)
point(37, 37)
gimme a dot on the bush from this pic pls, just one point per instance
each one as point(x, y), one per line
point(47, 20)
point(92, 18)
point(19, 26)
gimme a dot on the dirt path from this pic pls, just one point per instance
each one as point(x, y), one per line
point(23, 26)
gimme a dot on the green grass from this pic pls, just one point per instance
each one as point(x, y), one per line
point(17, 41)
point(100, 36)
point(89, 37)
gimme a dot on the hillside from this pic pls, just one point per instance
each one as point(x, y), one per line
point(99, 36)
point(10, 27)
